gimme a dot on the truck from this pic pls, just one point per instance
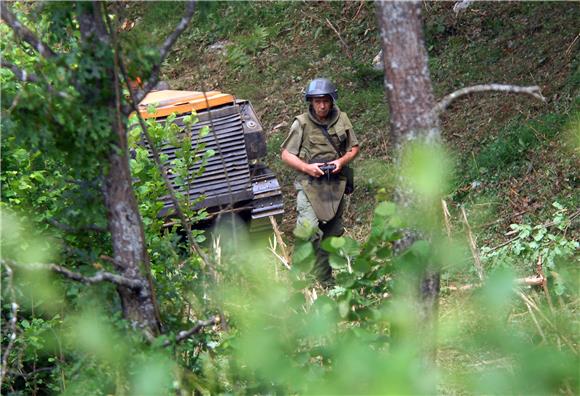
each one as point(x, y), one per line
point(235, 179)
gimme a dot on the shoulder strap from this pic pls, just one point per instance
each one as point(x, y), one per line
point(303, 119)
point(327, 136)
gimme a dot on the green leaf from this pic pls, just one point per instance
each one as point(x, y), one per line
point(395, 222)
point(361, 265)
point(38, 176)
point(304, 231)
point(304, 257)
point(151, 108)
point(300, 284)
point(540, 234)
point(333, 244)
point(170, 119)
point(344, 308)
point(327, 245)
point(386, 209)
point(336, 261)
point(384, 252)
point(297, 299)
point(337, 242)
point(204, 131)
point(345, 280)
point(351, 247)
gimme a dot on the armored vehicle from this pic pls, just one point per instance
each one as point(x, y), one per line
point(234, 180)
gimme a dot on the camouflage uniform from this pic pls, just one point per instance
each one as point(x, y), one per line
point(320, 201)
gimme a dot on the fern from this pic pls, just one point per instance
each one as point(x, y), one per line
point(236, 56)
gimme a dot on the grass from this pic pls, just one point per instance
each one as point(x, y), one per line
point(495, 138)
point(504, 154)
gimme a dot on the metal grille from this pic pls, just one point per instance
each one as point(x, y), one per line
point(226, 178)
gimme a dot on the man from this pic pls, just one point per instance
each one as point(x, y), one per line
point(320, 144)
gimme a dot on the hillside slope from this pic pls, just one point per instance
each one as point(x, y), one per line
point(517, 153)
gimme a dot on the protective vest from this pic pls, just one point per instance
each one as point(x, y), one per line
point(314, 143)
point(325, 192)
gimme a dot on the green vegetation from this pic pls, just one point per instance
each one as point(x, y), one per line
point(510, 162)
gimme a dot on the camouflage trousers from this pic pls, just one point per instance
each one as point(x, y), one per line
point(319, 230)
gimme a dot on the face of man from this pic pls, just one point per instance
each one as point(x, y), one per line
point(322, 107)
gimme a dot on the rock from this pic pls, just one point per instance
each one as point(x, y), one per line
point(378, 61)
point(461, 6)
point(218, 46)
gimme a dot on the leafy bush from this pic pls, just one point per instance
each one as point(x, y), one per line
point(546, 244)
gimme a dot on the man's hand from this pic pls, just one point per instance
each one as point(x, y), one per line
point(293, 161)
point(337, 165)
point(313, 169)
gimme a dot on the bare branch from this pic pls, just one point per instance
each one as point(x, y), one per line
point(503, 244)
point(20, 74)
point(569, 49)
point(446, 217)
point(535, 320)
point(277, 240)
point(165, 48)
point(100, 276)
point(533, 280)
point(183, 23)
point(25, 76)
point(184, 335)
point(24, 33)
point(12, 324)
point(344, 44)
point(446, 101)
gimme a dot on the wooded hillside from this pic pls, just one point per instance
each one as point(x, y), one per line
point(101, 296)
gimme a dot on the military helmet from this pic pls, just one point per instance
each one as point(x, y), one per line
point(321, 87)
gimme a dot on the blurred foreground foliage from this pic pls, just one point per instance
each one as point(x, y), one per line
point(285, 333)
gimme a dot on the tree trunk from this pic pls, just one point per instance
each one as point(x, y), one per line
point(129, 250)
point(410, 96)
point(407, 80)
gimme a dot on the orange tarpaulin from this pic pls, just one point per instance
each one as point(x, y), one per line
point(169, 101)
